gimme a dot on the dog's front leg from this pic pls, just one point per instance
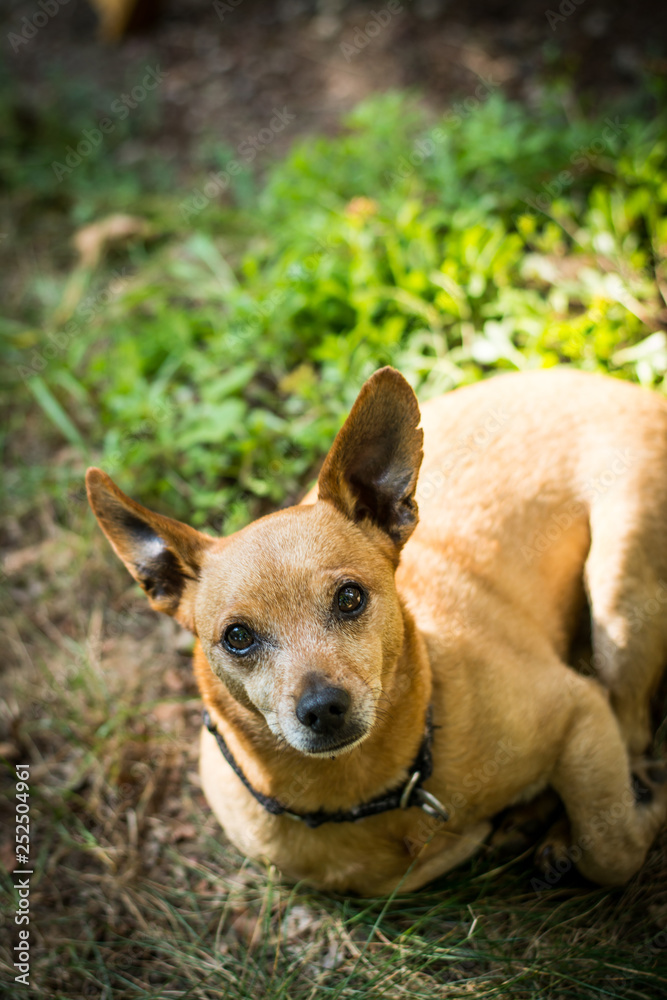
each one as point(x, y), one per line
point(611, 830)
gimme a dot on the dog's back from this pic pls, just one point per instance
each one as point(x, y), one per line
point(533, 487)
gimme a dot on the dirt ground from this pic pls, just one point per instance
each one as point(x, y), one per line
point(226, 69)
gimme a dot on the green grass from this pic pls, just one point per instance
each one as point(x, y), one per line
point(206, 361)
point(137, 894)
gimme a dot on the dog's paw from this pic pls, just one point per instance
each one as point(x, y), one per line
point(520, 826)
point(648, 779)
point(509, 837)
point(553, 854)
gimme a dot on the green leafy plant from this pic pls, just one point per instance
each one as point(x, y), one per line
point(220, 368)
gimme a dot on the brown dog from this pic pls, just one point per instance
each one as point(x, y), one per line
point(348, 656)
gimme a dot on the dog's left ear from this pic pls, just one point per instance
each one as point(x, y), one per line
point(164, 556)
point(371, 470)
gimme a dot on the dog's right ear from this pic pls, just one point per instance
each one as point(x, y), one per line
point(164, 556)
point(371, 470)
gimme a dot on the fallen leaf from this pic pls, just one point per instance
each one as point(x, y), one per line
point(92, 240)
point(184, 831)
point(169, 714)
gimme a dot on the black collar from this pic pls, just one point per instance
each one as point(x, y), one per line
point(408, 794)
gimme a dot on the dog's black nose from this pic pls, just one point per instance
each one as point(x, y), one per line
point(323, 709)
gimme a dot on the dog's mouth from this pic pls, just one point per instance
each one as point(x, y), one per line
point(330, 749)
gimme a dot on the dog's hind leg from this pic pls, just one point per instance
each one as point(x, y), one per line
point(626, 582)
point(613, 819)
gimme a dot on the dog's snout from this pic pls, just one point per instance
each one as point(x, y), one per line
point(323, 709)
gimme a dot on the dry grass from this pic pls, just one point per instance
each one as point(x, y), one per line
point(136, 894)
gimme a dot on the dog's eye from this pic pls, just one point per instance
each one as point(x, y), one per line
point(238, 638)
point(350, 598)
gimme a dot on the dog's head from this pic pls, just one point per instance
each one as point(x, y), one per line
point(297, 613)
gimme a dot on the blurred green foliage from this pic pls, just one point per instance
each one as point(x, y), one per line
point(209, 365)
point(63, 111)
